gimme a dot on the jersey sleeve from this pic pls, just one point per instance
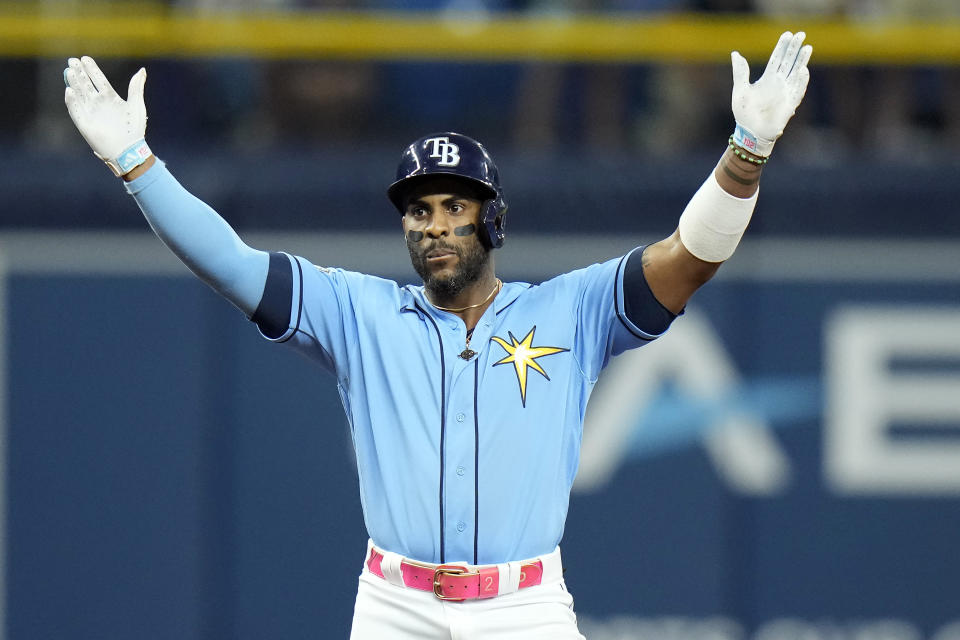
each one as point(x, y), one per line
point(639, 306)
point(301, 306)
point(615, 311)
point(316, 309)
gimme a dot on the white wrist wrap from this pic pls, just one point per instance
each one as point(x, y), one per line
point(714, 221)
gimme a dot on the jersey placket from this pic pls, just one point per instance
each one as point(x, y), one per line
point(460, 442)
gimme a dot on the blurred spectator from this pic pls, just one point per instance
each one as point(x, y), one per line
point(600, 94)
point(666, 109)
point(423, 96)
point(689, 102)
point(888, 111)
point(258, 103)
point(661, 109)
point(321, 102)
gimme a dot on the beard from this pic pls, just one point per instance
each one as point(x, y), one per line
point(471, 262)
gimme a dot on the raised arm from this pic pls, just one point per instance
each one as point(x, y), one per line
point(114, 128)
point(716, 217)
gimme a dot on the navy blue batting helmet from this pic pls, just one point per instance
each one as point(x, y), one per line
point(453, 154)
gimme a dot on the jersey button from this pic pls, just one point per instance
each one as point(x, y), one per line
point(461, 417)
point(461, 471)
point(461, 526)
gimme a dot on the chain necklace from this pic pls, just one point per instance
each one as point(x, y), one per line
point(496, 288)
point(467, 352)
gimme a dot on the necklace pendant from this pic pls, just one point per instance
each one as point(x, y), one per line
point(467, 353)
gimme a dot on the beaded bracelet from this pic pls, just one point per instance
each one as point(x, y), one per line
point(743, 154)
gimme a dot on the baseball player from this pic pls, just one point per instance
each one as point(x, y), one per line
point(466, 395)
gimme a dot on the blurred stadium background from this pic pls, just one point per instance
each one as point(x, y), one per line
point(784, 465)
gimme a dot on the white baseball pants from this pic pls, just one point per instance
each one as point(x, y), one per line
point(387, 611)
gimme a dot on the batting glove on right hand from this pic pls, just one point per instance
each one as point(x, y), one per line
point(762, 109)
point(113, 127)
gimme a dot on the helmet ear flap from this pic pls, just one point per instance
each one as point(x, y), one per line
point(493, 217)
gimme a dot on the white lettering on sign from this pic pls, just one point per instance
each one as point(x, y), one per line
point(744, 451)
point(628, 627)
point(867, 396)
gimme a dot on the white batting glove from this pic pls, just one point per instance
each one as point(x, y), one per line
point(113, 127)
point(762, 109)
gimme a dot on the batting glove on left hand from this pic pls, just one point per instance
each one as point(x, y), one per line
point(762, 109)
point(113, 127)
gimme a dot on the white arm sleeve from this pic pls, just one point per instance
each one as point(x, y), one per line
point(201, 238)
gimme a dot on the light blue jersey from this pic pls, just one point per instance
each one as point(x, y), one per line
point(462, 460)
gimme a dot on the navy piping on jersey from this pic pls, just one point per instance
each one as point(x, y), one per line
point(296, 327)
point(508, 304)
point(476, 460)
point(443, 414)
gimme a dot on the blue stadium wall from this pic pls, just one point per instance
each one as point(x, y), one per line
point(169, 474)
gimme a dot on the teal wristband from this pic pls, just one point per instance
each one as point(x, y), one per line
point(130, 158)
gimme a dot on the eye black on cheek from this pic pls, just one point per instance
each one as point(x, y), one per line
point(415, 236)
point(465, 230)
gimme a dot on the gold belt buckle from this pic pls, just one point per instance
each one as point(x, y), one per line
point(448, 570)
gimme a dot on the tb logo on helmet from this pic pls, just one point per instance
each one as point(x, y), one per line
point(446, 151)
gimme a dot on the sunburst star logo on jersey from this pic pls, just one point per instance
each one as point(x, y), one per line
point(523, 356)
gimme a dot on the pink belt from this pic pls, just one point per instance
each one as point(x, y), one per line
point(456, 582)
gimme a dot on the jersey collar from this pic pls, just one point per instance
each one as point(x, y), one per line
point(414, 297)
